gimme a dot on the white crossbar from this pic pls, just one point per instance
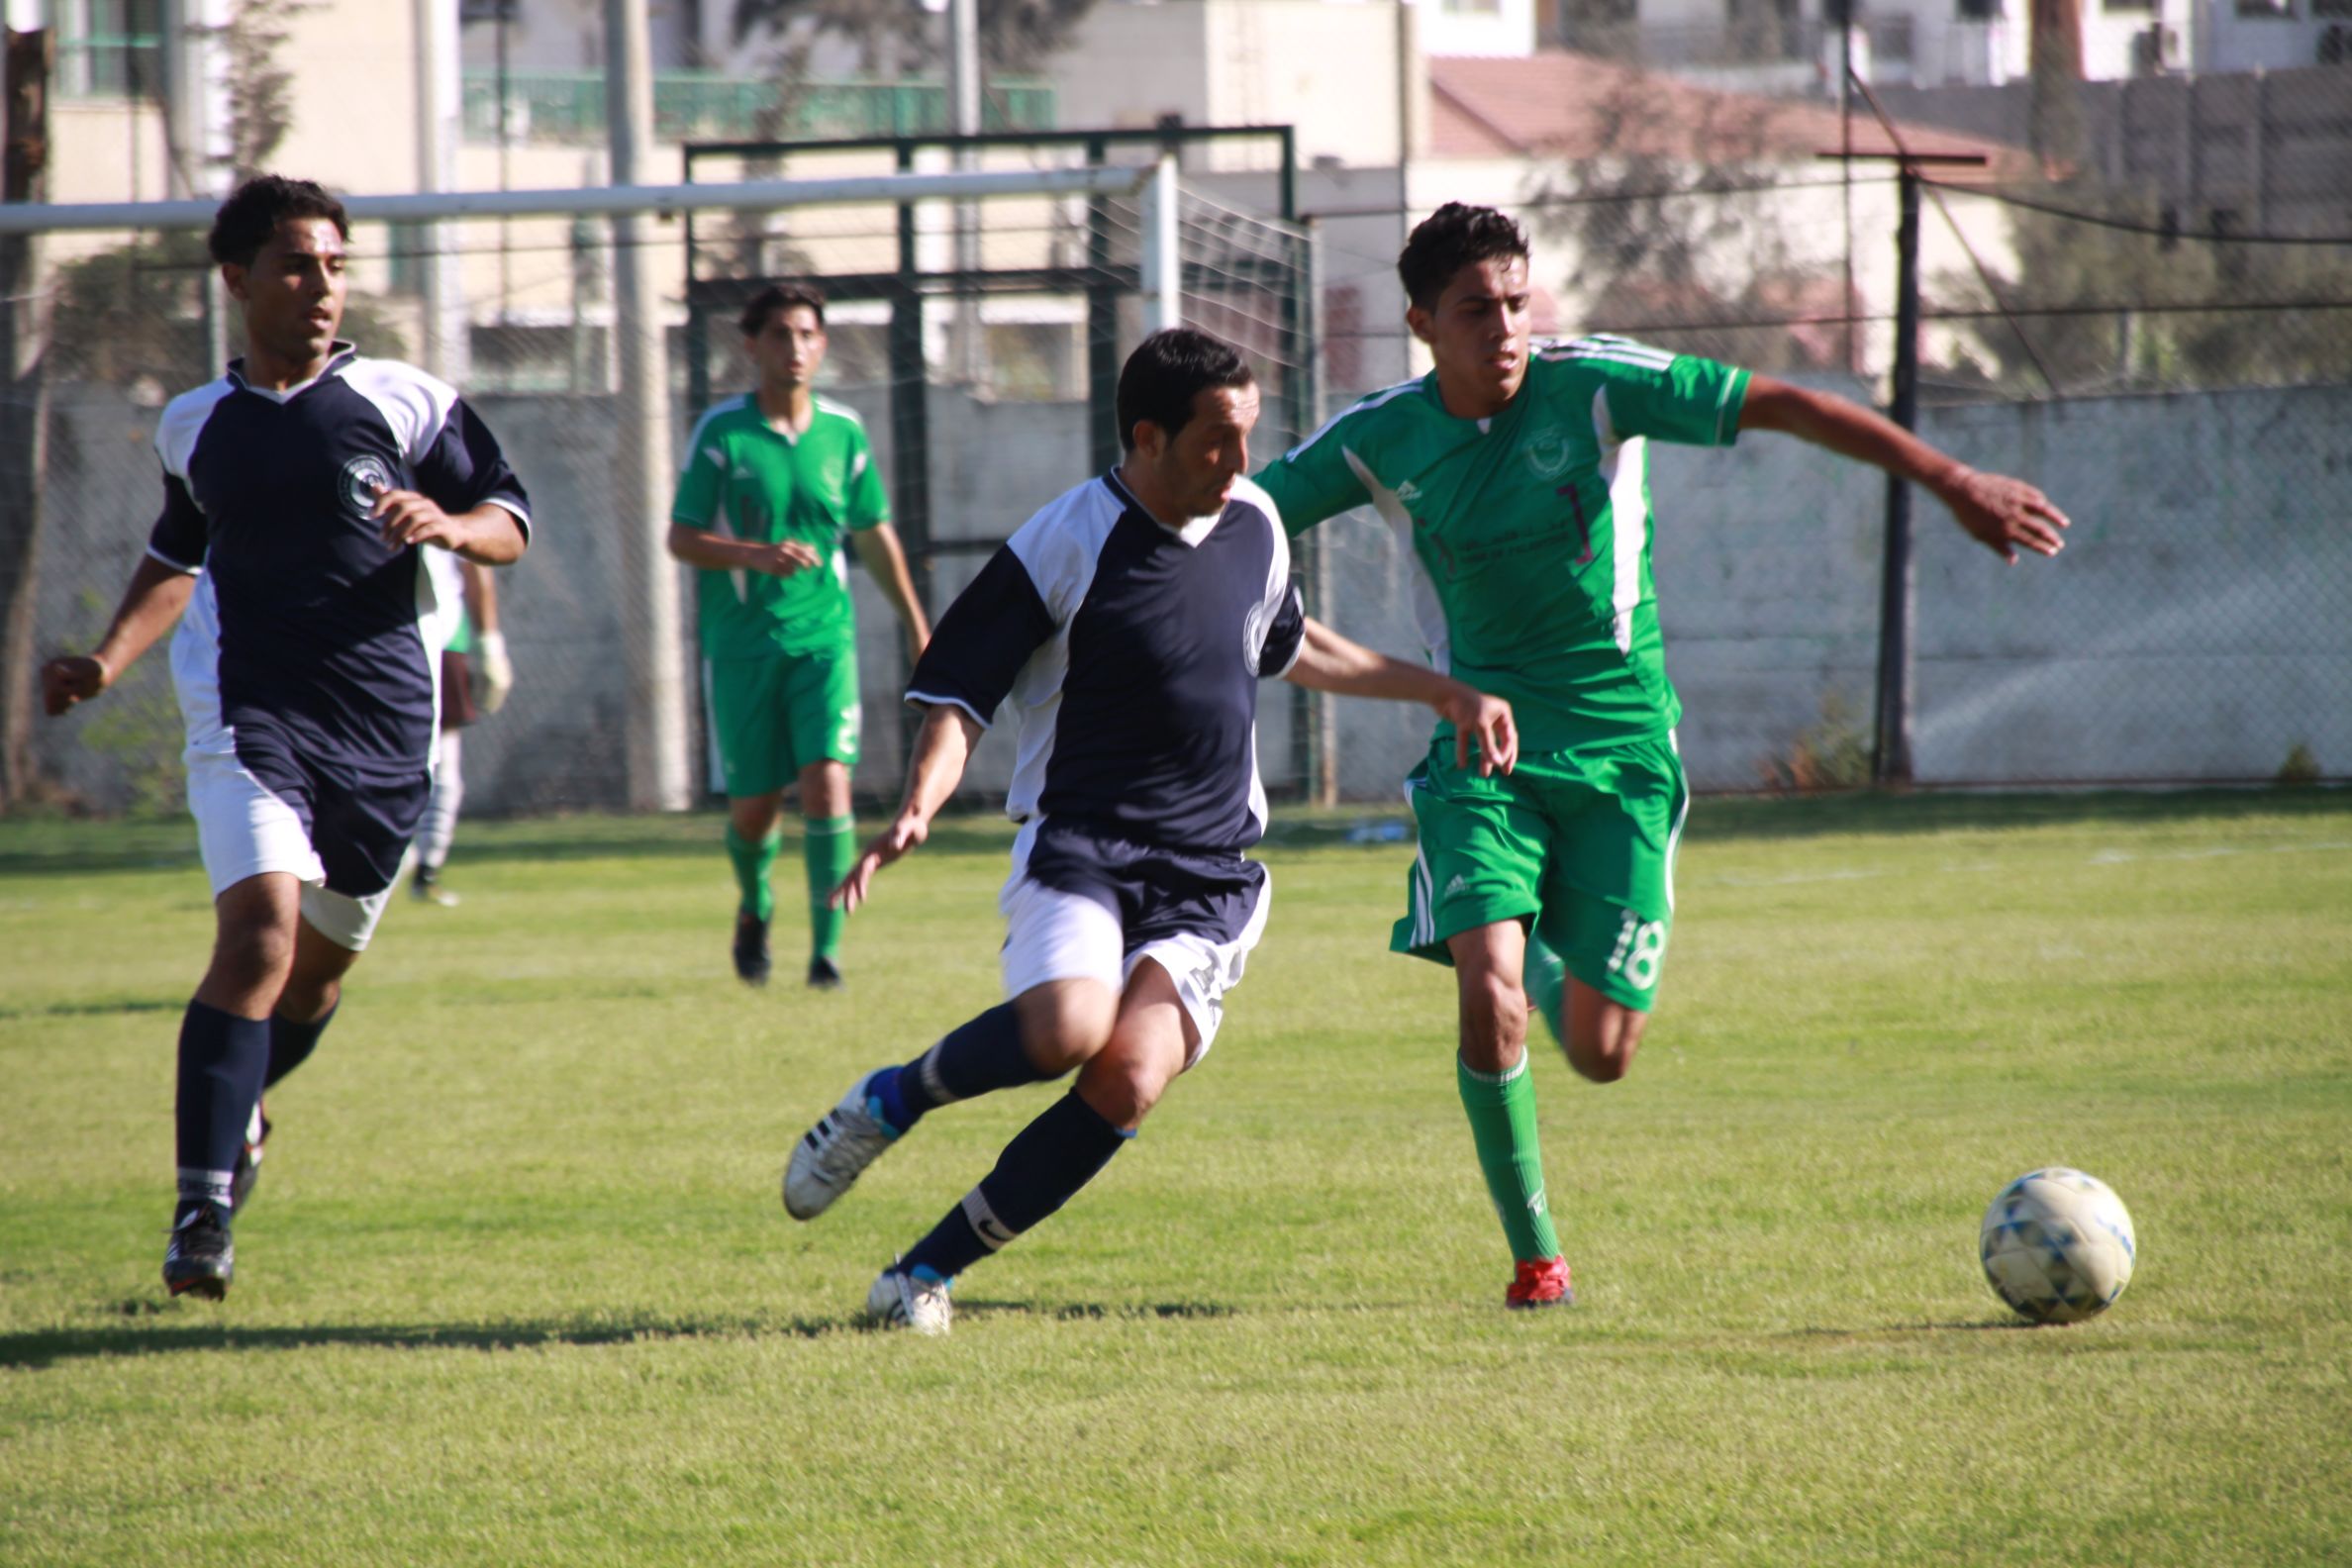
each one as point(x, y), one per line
point(34, 218)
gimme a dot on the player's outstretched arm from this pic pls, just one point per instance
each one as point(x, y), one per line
point(156, 596)
point(941, 749)
point(2002, 514)
point(879, 553)
point(1331, 662)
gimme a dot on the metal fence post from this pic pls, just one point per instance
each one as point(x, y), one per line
point(1890, 751)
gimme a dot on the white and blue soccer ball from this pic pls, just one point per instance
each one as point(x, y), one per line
point(2057, 1246)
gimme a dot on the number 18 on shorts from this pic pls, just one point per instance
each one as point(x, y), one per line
point(1580, 845)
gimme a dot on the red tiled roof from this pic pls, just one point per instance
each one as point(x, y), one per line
point(1565, 105)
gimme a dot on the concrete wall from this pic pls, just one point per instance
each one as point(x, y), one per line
point(2197, 627)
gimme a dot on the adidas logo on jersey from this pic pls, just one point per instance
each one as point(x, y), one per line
point(1455, 886)
point(1409, 492)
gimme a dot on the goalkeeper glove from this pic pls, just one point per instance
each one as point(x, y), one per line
point(494, 672)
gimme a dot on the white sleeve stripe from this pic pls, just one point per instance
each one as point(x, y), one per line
point(1371, 401)
point(507, 503)
point(1724, 405)
point(1610, 356)
point(933, 699)
point(177, 567)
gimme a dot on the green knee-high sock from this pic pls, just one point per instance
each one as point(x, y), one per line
point(829, 848)
point(751, 862)
point(1502, 1108)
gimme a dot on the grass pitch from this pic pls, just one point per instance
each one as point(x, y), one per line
point(516, 1287)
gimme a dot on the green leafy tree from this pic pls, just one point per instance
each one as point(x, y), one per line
point(1664, 252)
point(2116, 299)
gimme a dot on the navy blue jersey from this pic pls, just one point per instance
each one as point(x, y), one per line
point(311, 633)
point(1131, 653)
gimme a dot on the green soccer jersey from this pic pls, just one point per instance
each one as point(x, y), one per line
point(749, 480)
point(1531, 530)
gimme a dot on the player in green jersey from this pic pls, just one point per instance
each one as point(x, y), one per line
point(1514, 475)
point(773, 478)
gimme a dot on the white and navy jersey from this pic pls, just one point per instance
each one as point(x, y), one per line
point(1131, 654)
point(310, 638)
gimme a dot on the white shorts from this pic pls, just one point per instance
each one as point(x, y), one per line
point(1052, 934)
point(243, 830)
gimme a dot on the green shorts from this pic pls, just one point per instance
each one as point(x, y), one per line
point(1580, 843)
point(772, 717)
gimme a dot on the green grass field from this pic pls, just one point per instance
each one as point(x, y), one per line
point(517, 1287)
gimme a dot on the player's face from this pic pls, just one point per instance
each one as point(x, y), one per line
point(788, 348)
point(1195, 472)
point(1478, 334)
point(292, 294)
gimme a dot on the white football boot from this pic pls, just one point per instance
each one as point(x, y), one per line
point(899, 1300)
point(835, 1152)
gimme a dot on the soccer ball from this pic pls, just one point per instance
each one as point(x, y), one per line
point(2057, 1246)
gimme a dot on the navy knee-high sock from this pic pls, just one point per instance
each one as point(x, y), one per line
point(1043, 1166)
point(290, 1043)
point(970, 1059)
point(222, 1060)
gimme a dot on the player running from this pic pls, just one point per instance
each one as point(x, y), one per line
point(1516, 479)
point(301, 491)
point(1128, 624)
point(772, 479)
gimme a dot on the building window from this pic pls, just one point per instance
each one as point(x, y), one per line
point(2267, 10)
point(2127, 4)
point(110, 48)
point(1977, 11)
point(1483, 8)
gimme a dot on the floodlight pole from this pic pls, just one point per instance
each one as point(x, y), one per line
point(1898, 587)
point(655, 711)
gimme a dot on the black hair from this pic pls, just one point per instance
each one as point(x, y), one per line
point(1166, 371)
point(780, 297)
point(1450, 238)
point(254, 211)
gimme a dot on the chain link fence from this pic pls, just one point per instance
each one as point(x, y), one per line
point(2177, 381)
point(994, 382)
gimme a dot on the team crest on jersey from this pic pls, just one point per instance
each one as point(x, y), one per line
point(362, 477)
point(1547, 452)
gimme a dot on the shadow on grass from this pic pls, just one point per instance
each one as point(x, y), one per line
point(1978, 1326)
point(1088, 1312)
point(97, 1009)
point(46, 1347)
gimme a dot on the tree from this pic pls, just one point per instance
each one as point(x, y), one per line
point(260, 89)
point(1662, 248)
point(2113, 296)
point(895, 36)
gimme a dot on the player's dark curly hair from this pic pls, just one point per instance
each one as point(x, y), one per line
point(1167, 370)
point(254, 211)
point(1450, 238)
point(780, 297)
